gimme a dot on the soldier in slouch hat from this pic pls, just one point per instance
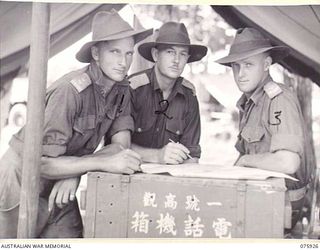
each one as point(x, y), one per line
point(81, 107)
point(272, 131)
point(165, 108)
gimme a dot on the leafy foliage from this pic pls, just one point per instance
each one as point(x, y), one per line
point(204, 25)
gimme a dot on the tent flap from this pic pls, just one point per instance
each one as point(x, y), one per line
point(68, 23)
point(295, 26)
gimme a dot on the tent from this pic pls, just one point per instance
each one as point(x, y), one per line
point(295, 26)
point(68, 23)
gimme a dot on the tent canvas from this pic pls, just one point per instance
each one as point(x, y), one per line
point(296, 26)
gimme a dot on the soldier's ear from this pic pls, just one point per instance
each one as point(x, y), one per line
point(95, 53)
point(154, 53)
point(267, 62)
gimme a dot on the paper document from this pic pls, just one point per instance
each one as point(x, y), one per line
point(212, 171)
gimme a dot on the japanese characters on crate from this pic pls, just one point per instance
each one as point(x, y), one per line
point(166, 224)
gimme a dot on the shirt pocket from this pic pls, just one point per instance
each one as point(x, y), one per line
point(174, 127)
point(253, 138)
point(84, 125)
point(143, 130)
point(143, 122)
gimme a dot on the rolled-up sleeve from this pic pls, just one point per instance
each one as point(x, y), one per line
point(61, 107)
point(51, 149)
point(286, 124)
point(291, 143)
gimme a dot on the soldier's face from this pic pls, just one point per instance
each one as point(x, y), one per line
point(115, 57)
point(250, 72)
point(171, 60)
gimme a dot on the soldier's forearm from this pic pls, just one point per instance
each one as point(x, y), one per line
point(65, 167)
point(151, 155)
point(281, 161)
point(71, 166)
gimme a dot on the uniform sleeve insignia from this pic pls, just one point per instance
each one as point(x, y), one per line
point(139, 80)
point(272, 89)
point(81, 82)
point(189, 85)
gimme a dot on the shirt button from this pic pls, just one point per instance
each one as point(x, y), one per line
point(157, 129)
point(139, 130)
point(178, 132)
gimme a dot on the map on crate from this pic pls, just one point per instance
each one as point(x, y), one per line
point(212, 171)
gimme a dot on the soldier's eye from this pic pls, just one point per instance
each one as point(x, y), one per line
point(115, 51)
point(130, 53)
point(184, 55)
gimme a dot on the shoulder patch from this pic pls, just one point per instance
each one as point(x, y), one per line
point(272, 89)
point(189, 85)
point(139, 80)
point(81, 82)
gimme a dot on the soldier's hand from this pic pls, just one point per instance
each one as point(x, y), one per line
point(173, 153)
point(127, 161)
point(63, 191)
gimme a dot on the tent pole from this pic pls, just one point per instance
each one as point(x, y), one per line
point(32, 150)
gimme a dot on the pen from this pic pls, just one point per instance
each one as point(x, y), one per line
point(189, 156)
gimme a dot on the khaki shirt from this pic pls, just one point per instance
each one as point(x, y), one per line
point(272, 120)
point(79, 112)
point(156, 121)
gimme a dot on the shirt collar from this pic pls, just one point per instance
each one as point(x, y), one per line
point(241, 102)
point(255, 97)
point(257, 94)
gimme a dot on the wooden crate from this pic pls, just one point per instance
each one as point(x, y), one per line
point(153, 206)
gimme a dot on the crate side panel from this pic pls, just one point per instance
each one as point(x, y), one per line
point(90, 210)
point(161, 208)
point(264, 214)
point(111, 206)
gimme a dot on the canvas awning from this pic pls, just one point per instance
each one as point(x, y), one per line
point(295, 26)
point(68, 23)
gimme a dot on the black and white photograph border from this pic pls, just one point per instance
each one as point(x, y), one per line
point(143, 205)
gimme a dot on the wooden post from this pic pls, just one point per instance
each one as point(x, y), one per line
point(39, 51)
point(304, 93)
point(303, 88)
